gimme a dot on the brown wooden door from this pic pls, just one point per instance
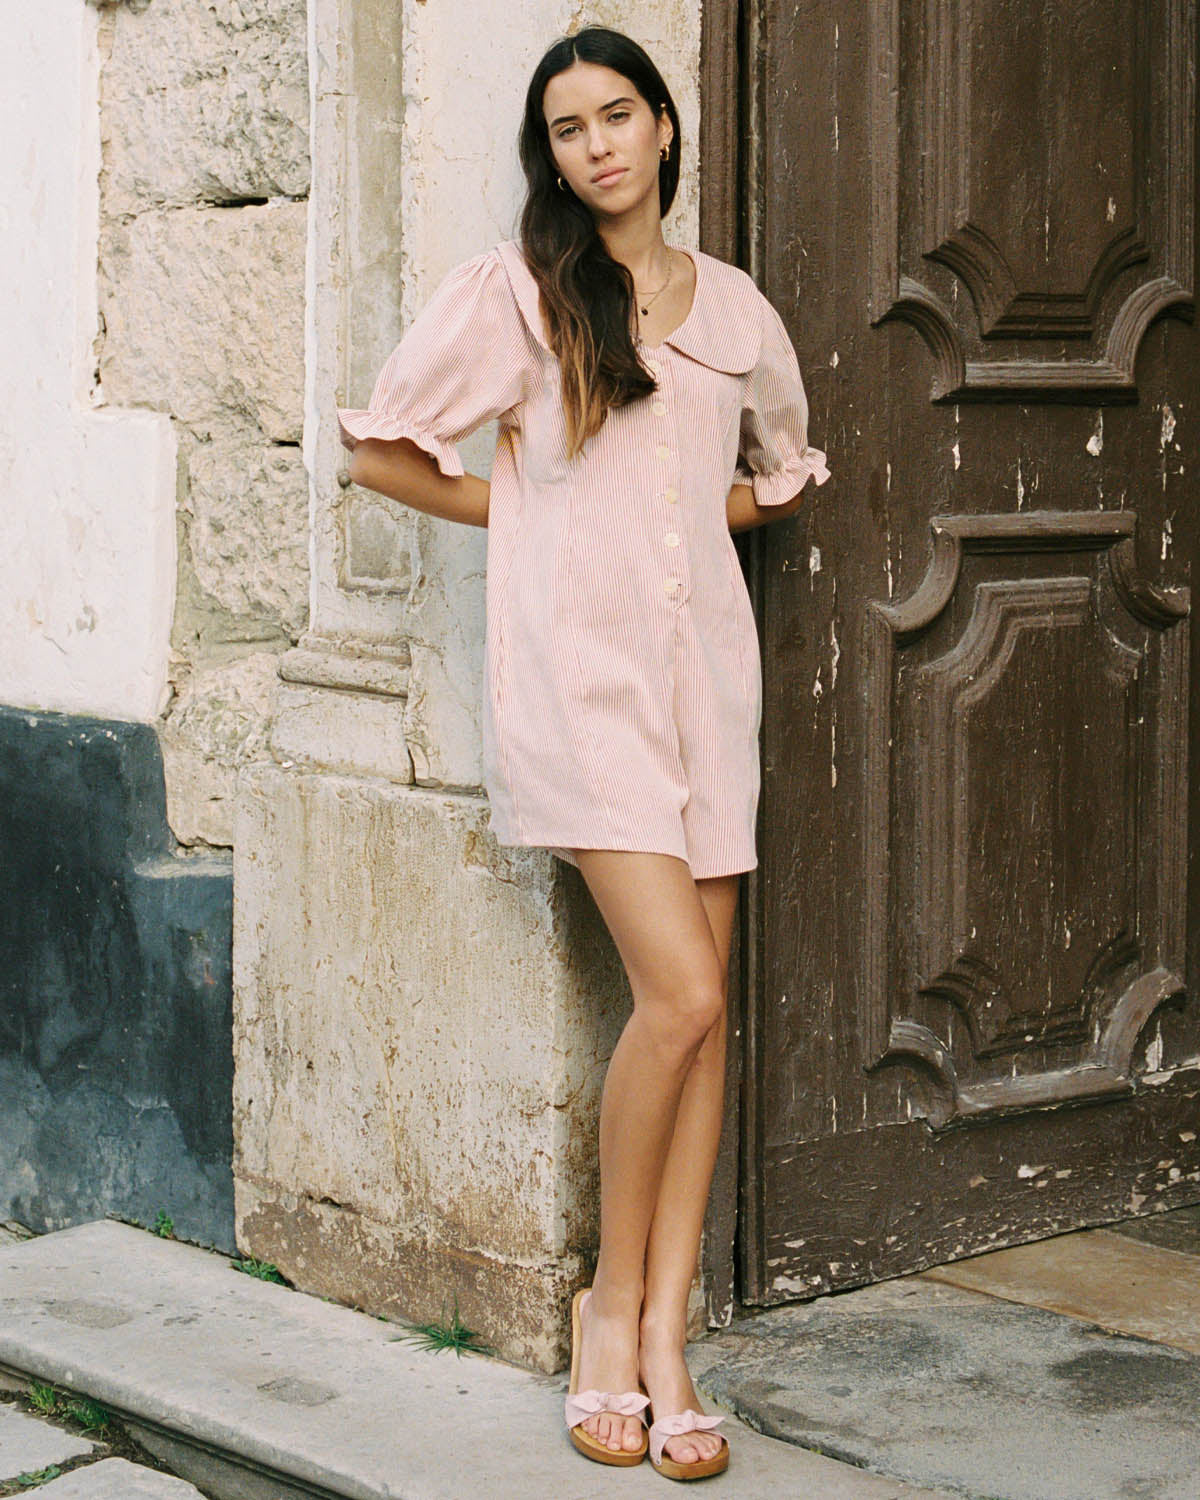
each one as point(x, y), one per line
point(971, 1000)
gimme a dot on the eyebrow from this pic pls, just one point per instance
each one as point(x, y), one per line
point(562, 119)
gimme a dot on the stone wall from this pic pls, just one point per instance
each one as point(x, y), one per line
point(203, 207)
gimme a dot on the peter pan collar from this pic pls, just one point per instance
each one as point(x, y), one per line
point(723, 330)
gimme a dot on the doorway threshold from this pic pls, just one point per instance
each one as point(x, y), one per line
point(1058, 1370)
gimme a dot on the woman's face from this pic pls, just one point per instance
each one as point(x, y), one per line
point(604, 137)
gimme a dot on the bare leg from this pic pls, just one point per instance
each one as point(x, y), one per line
point(675, 1230)
point(653, 909)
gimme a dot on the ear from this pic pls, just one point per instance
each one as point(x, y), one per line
point(666, 131)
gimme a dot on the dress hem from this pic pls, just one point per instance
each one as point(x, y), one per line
point(563, 852)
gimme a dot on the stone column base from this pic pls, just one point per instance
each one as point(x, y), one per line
point(422, 1023)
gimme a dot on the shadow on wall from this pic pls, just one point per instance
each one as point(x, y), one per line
point(116, 1065)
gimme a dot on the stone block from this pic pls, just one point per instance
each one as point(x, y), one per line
point(422, 1025)
point(357, 733)
point(118, 1479)
point(205, 103)
point(247, 502)
point(28, 1444)
point(219, 719)
point(203, 314)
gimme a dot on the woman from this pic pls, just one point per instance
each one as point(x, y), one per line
point(649, 403)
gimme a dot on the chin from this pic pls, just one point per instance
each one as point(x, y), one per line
point(627, 196)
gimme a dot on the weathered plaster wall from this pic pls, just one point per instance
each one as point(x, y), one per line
point(115, 991)
point(419, 1059)
point(87, 494)
point(203, 224)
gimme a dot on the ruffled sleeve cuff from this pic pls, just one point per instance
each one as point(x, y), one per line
point(356, 425)
point(779, 485)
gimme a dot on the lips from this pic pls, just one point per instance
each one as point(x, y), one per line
point(611, 176)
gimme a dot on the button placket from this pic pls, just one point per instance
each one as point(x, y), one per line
point(674, 584)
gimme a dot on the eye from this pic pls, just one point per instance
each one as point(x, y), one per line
point(619, 114)
point(565, 131)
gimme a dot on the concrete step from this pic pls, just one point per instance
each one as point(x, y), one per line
point(255, 1391)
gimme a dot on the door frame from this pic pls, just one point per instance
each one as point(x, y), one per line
point(728, 230)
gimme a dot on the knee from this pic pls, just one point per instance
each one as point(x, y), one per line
point(682, 1022)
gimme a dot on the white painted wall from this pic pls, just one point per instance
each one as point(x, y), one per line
point(87, 497)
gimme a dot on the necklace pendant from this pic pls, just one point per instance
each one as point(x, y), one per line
point(645, 310)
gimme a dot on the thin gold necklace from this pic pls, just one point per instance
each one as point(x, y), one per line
point(646, 308)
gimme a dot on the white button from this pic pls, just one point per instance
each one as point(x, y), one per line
point(663, 451)
point(671, 585)
point(659, 408)
point(671, 497)
point(672, 539)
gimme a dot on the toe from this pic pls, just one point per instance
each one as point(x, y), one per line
point(684, 1451)
point(633, 1436)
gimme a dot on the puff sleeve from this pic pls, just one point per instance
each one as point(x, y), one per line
point(774, 455)
point(463, 360)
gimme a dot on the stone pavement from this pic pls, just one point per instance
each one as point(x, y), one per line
point(257, 1392)
point(32, 1448)
point(1060, 1371)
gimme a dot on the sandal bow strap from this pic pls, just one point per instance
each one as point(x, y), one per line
point(584, 1404)
point(674, 1426)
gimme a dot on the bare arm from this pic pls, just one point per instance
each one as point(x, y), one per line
point(743, 512)
point(401, 470)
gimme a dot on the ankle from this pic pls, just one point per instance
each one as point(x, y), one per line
point(618, 1295)
point(621, 1302)
point(659, 1335)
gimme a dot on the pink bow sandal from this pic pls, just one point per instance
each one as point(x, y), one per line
point(674, 1426)
point(579, 1406)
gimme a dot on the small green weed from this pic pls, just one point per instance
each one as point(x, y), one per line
point(43, 1396)
point(164, 1225)
point(437, 1336)
point(263, 1269)
point(90, 1415)
point(39, 1476)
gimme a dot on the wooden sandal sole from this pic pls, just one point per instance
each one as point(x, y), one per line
point(700, 1469)
point(588, 1445)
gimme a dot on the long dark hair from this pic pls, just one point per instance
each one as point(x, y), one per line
point(587, 295)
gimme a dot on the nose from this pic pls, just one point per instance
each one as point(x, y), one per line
point(598, 142)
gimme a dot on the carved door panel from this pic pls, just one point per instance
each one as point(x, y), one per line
point(972, 1012)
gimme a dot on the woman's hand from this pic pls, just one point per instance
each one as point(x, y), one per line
point(742, 511)
point(402, 471)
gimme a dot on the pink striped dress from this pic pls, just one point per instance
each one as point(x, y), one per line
point(623, 689)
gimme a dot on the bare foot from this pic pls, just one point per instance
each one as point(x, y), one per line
point(608, 1362)
point(669, 1386)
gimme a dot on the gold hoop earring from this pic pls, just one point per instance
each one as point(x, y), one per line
point(665, 153)
point(560, 185)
